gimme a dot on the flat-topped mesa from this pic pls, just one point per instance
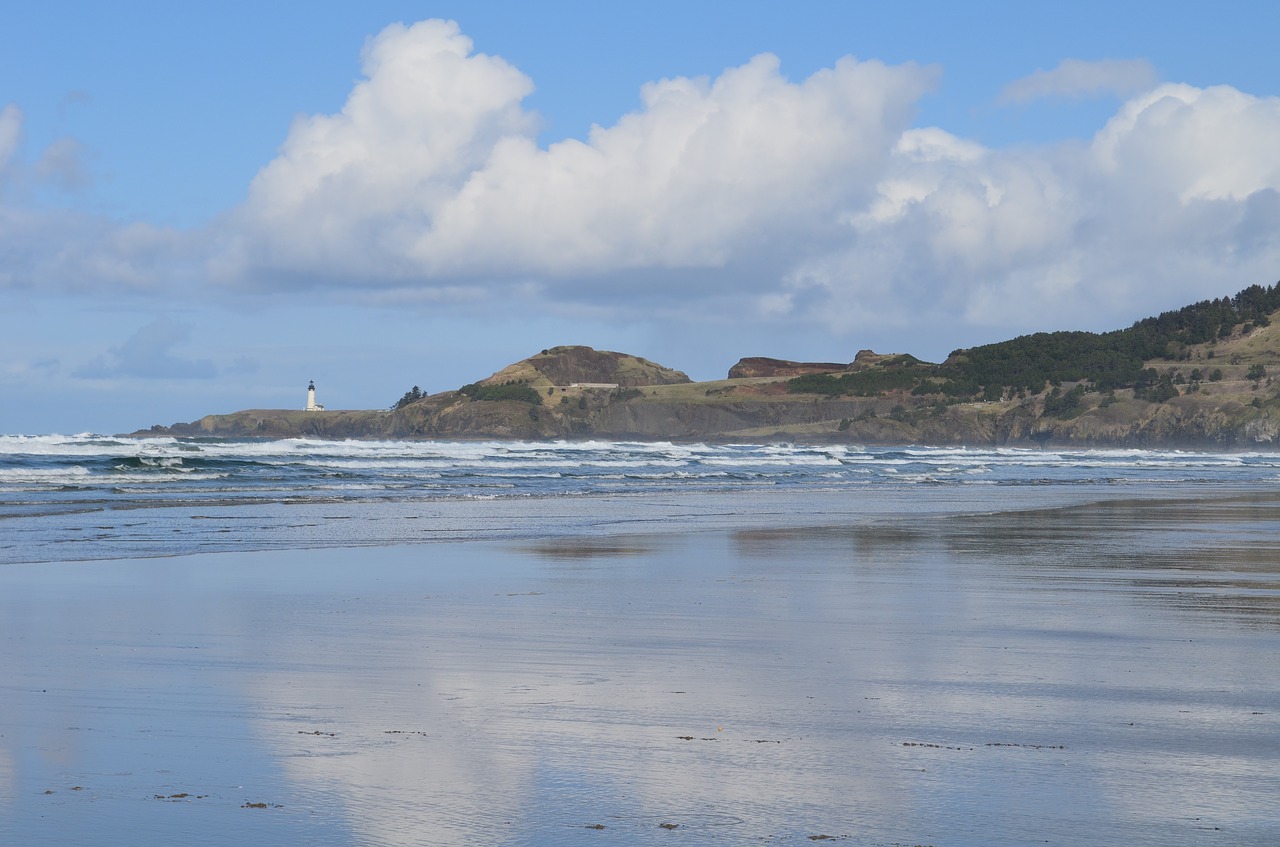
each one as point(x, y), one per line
point(567, 365)
point(763, 366)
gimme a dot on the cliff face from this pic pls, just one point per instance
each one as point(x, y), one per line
point(283, 423)
point(1183, 422)
point(1179, 423)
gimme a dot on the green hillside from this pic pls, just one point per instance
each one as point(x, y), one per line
point(1030, 363)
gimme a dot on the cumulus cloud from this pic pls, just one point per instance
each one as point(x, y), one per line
point(431, 172)
point(745, 196)
point(706, 172)
point(1076, 78)
point(1176, 198)
point(357, 188)
point(1192, 144)
point(148, 354)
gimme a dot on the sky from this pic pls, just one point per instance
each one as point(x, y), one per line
point(202, 209)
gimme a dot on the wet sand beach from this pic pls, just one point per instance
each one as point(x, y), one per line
point(1098, 673)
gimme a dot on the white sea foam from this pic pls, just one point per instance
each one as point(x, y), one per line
point(45, 476)
point(288, 468)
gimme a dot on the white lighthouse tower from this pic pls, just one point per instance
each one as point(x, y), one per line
point(312, 406)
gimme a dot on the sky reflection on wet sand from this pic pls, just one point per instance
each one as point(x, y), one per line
point(1084, 675)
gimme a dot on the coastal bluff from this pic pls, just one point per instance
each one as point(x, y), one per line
point(281, 423)
point(1215, 394)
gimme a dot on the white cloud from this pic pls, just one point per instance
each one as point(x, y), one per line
point(1191, 143)
point(700, 177)
point(742, 197)
point(1076, 78)
point(353, 191)
point(810, 201)
point(1175, 199)
point(431, 171)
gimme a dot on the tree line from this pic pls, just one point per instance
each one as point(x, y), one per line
point(1029, 363)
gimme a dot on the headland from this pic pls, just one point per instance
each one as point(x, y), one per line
point(1201, 377)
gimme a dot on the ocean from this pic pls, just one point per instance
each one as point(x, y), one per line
point(99, 497)
point(375, 644)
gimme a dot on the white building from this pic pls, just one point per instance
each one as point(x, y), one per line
point(312, 405)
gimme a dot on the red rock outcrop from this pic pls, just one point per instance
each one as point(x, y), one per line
point(758, 366)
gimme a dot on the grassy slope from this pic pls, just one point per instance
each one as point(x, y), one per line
point(1209, 414)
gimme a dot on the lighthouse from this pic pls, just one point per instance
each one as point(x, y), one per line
point(312, 406)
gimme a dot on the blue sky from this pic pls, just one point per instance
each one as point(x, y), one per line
point(203, 209)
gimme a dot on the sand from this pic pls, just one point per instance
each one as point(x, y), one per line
point(1099, 674)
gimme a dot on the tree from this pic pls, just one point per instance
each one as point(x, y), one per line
point(413, 395)
point(1024, 365)
point(1059, 405)
point(1161, 391)
point(520, 391)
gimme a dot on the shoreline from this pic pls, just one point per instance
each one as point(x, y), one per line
point(239, 527)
